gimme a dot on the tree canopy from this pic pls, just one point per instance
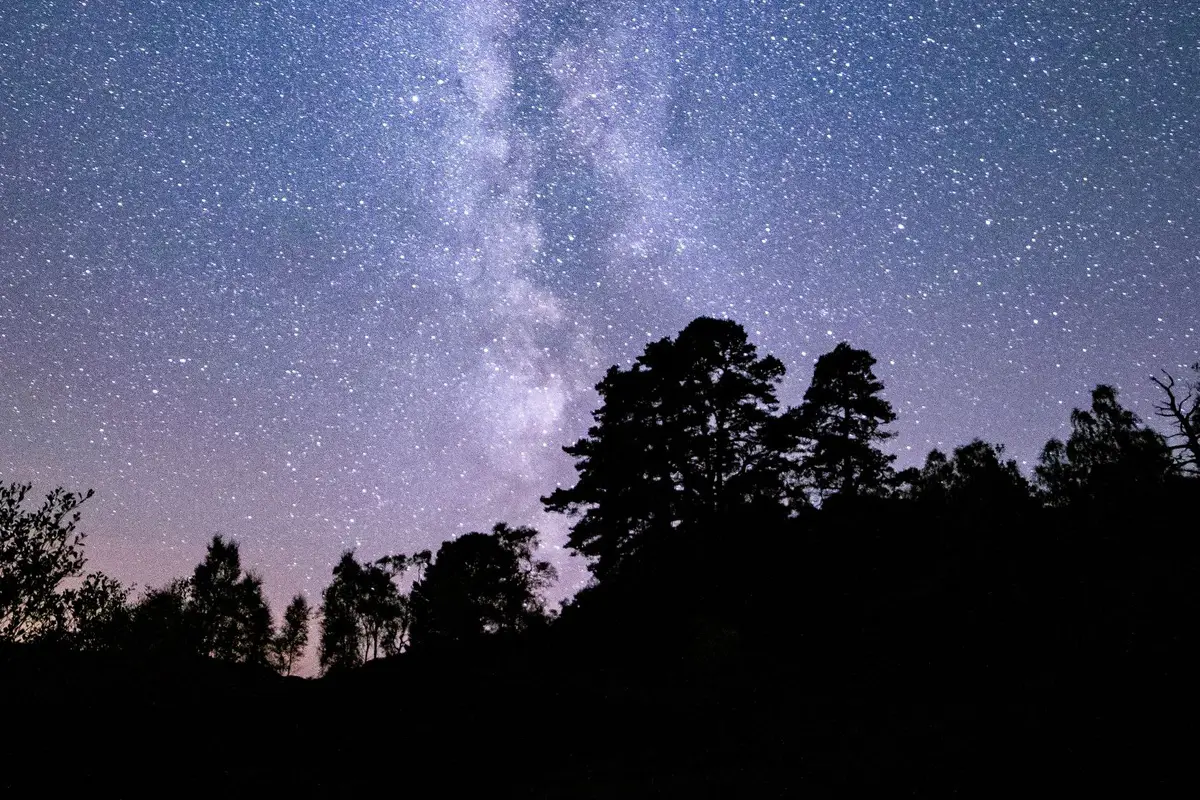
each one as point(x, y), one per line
point(976, 477)
point(685, 434)
point(1109, 456)
point(481, 584)
point(41, 550)
point(692, 434)
point(229, 614)
point(363, 612)
point(842, 417)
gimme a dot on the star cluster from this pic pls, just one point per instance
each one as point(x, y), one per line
point(330, 275)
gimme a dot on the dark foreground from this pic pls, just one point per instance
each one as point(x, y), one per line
point(855, 659)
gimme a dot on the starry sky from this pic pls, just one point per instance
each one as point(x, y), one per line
point(324, 275)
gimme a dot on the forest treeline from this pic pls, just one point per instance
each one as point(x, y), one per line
point(755, 567)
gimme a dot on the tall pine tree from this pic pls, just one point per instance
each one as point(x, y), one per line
point(842, 416)
point(683, 437)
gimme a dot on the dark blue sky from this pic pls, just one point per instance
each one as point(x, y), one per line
point(324, 275)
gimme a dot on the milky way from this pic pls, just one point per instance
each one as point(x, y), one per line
point(326, 275)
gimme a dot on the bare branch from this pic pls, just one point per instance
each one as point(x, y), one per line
point(1185, 413)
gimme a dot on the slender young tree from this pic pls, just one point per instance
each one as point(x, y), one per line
point(341, 640)
point(255, 629)
point(287, 646)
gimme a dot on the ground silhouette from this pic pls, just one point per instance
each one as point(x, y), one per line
point(769, 616)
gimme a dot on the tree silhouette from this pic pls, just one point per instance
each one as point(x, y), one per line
point(254, 631)
point(842, 415)
point(383, 610)
point(915, 630)
point(481, 584)
point(40, 550)
point(341, 639)
point(683, 435)
point(977, 476)
point(1181, 405)
point(287, 646)
point(161, 623)
point(1109, 456)
point(98, 611)
point(420, 562)
point(230, 616)
point(363, 612)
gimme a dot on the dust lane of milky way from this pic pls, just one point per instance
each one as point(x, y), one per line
point(326, 275)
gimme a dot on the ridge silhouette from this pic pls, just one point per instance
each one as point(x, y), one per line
point(774, 611)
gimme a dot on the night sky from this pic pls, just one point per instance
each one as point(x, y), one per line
point(320, 275)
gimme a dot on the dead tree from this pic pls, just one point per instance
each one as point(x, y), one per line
point(1182, 407)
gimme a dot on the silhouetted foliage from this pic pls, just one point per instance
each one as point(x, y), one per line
point(1181, 407)
point(842, 415)
point(686, 433)
point(976, 477)
point(160, 622)
point(98, 613)
point(481, 584)
point(420, 562)
point(1109, 456)
point(341, 640)
point(219, 612)
point(363, 612)
point(927, 635)
point(287, 646)
point(230, 615)
point(40, 551)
